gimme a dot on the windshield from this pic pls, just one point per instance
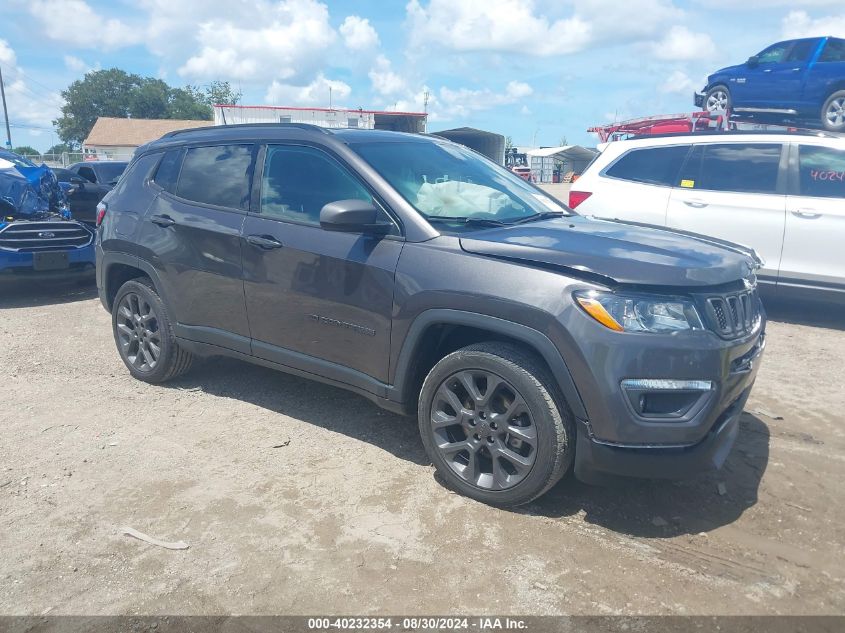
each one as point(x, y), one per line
point(449, 183)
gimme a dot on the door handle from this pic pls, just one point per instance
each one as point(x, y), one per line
point(796, 70)
point(162, 220)
point(695, 204)
point(264, 241)
point(809, 214)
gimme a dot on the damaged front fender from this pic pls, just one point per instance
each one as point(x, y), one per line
point(29, 192)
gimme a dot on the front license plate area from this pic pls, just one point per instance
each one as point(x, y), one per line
point(50, 261)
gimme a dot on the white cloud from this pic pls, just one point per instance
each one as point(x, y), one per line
point(75, 22)
point(679, 83)
point(800, 24)
point(291, 42)
point(75, 64)
point(681, 44)
point(29, 105)
point(494, 25)
point(358, 34)
point(315, 93)
point(463, 101)
point(616, 22)
point(384, 81)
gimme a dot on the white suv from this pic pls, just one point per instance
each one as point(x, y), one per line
point(782, 194)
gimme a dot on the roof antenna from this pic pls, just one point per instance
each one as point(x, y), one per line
point(330, 97)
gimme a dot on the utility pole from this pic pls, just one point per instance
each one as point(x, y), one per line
point(5, 112)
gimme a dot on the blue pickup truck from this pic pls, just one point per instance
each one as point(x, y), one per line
point(797, 79)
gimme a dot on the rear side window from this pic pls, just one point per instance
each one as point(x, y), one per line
point(167, 172)
point(801, 50)
point(655, 165)
point(218, 175)
point(834, 51)
point(740, 167)
point(821, 172)
point(299, 181)
point(87, 173)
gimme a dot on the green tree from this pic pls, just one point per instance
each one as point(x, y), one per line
point(59, 148)
point(116, 93)
point(26, 150)
point(216, 92)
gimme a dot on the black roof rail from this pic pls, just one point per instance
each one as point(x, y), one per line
point(303, 126)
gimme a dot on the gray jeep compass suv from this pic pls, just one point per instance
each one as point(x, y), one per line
point(526, 338)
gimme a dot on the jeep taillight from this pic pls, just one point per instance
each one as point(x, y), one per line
point(577, 197)
point(101, 212)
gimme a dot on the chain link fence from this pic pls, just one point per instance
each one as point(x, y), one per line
point(69, 158)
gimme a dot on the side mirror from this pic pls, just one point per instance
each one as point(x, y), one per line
point(78, 180)
point(353, 216)
point(753, 61)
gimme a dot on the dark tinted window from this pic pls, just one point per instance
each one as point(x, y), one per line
point(655, 165)
point(87, 173)
point(110, 172)
point(63, 175)
point(217, 175)
point(167, 172)
point(834, 51)
point(299, 181)
point(740, 167)
point(801, 51)
point(821, 172)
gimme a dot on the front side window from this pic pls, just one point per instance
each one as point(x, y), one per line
point(739, 167)
point(654, 165)
point(774, 54)
point(821, 172)
point(834, 51)
point(218, 175)
point(299, 181)
point(449, 183)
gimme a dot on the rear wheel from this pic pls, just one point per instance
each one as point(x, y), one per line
point(833, 112)
point(144, 334)
point(491, 426)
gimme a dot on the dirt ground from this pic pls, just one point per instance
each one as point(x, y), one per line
point(297, 498)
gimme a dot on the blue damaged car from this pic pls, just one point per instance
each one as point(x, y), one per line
point(37, 234)
point(800, 80)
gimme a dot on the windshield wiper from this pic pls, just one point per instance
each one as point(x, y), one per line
point(544, 215)
point(468, 221)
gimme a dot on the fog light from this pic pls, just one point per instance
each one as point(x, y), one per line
point(661, 384)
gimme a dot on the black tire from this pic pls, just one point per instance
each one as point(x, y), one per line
point(833, 112)
point(718, 99)
point(512, 374)
point(132, 342)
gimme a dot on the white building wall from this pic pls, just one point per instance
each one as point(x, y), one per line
point(323, 118)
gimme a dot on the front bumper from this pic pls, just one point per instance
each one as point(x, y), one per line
point(593, 460)
point(698, 99)
point(16, 264)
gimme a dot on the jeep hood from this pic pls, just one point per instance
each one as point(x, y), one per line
point(621, 252)
point(27, 191)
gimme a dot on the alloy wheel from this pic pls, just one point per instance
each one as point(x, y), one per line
point(138, 332)
point(483, 429)
point(717, 101)
point(836, 112)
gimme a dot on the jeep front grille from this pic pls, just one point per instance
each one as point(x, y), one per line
point(733, 315)
point(44, 236)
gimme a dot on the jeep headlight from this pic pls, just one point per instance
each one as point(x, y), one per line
point(639, 313)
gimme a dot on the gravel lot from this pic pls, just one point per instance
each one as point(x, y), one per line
point(299, 498)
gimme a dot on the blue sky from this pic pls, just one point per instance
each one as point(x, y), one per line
point(536, 70)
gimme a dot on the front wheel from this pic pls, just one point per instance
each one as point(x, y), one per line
point(492, 427)
point(717, 99)
point(833, 112)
